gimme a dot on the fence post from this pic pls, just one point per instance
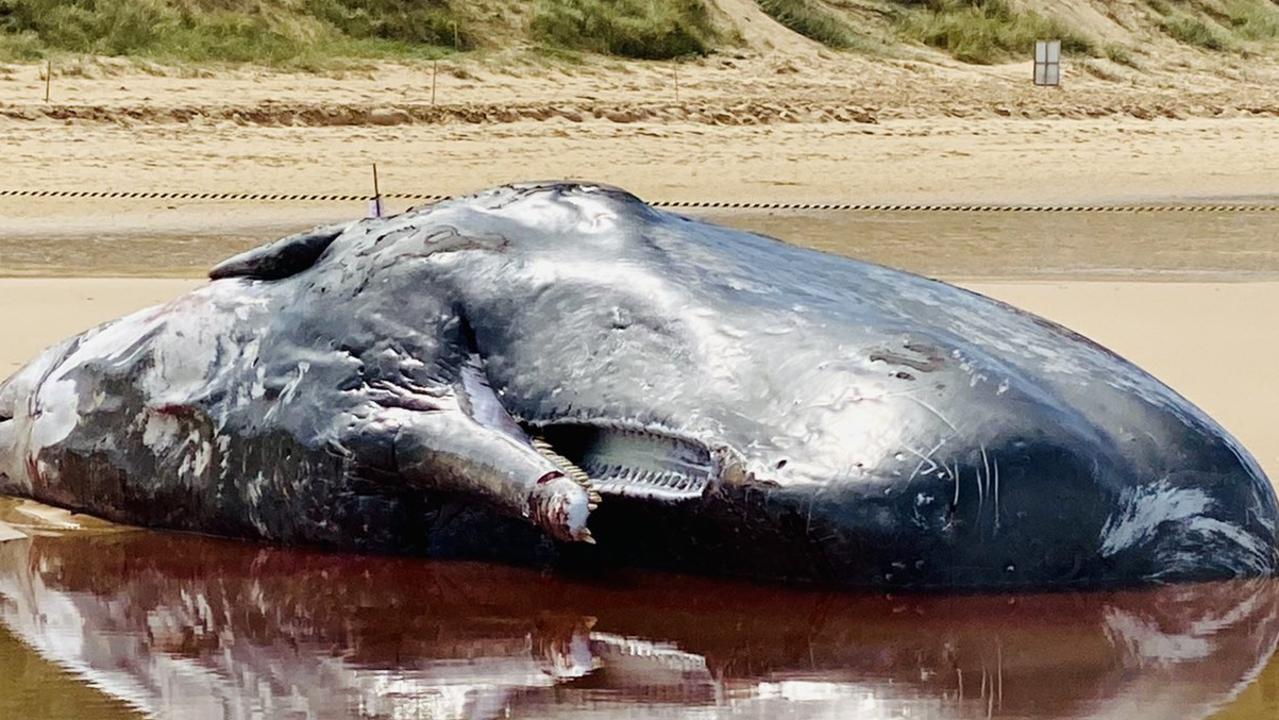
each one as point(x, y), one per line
point(375, 207)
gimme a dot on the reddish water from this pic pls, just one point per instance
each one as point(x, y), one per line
point(189, 627)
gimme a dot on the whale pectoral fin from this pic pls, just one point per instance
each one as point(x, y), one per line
point(448, 451)
point(282, 258)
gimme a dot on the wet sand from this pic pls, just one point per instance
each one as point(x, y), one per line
point(151, 238)
point(1212, 342)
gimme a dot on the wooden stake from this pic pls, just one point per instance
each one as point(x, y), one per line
point(455, 35)
point(676, 82)
point(435, 72)
point(377, 194)
point(48, 78)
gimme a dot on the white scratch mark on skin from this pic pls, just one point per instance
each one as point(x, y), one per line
point(996, 464)
point(808, 525)
point(1257, 551)
point(925, 458)
point(224, 467)
point(981, 492)
point(934, 411)
point(985, 462)
point(291, 388)
point(1184, 513)
point(1145, 508)
point(203, 455)
point(955, 477)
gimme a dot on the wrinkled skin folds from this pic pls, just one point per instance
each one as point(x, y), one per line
point(559, 373)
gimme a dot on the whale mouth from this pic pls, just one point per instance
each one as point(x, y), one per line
point(612, 457)
point(628, 460)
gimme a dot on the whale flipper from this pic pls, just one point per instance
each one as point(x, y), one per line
point(282, 258)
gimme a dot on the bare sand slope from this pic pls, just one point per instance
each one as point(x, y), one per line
point(1210, 341)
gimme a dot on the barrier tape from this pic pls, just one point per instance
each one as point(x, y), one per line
point(674, 204)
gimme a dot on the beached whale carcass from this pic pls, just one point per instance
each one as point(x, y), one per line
point(508, 374)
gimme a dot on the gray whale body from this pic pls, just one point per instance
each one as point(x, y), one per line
point(559, 373)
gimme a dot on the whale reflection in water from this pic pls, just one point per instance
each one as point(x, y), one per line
point(191, 627)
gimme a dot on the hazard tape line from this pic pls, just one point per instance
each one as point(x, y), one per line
point(674, 204)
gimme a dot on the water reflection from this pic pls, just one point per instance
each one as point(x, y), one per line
point(188, 627)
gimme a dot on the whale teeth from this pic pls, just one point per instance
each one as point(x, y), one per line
point(626, 460)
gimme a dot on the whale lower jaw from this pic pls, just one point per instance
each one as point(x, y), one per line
point(630, 460)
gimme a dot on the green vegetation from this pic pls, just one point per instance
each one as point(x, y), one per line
point(1120, 54)
point(301, 33)
point(321, 34)
point(646, 29)
point(1193, 31)
point(317, 32)
point(1256, 20)
point(985, 31)
point(1221, 26)
point(814, 21)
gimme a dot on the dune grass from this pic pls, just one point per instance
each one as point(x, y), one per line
point(316, 32)
point(985, 31)
point(1227, 25)
point(1196, 32)
point(1256, 20)
point(302, 32)
point(812, 20)
point(320, 34)
point(1120, 54)
point(645, 29)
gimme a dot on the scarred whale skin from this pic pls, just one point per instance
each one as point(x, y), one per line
point(558, 371)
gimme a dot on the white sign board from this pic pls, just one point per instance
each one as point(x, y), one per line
point(1047, 62)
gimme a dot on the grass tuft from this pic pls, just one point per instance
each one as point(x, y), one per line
point(1193, 31)
point(1256, 20)
point(813, 21)
point(1120, 55)
point(645, 29)
point(986, 31)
